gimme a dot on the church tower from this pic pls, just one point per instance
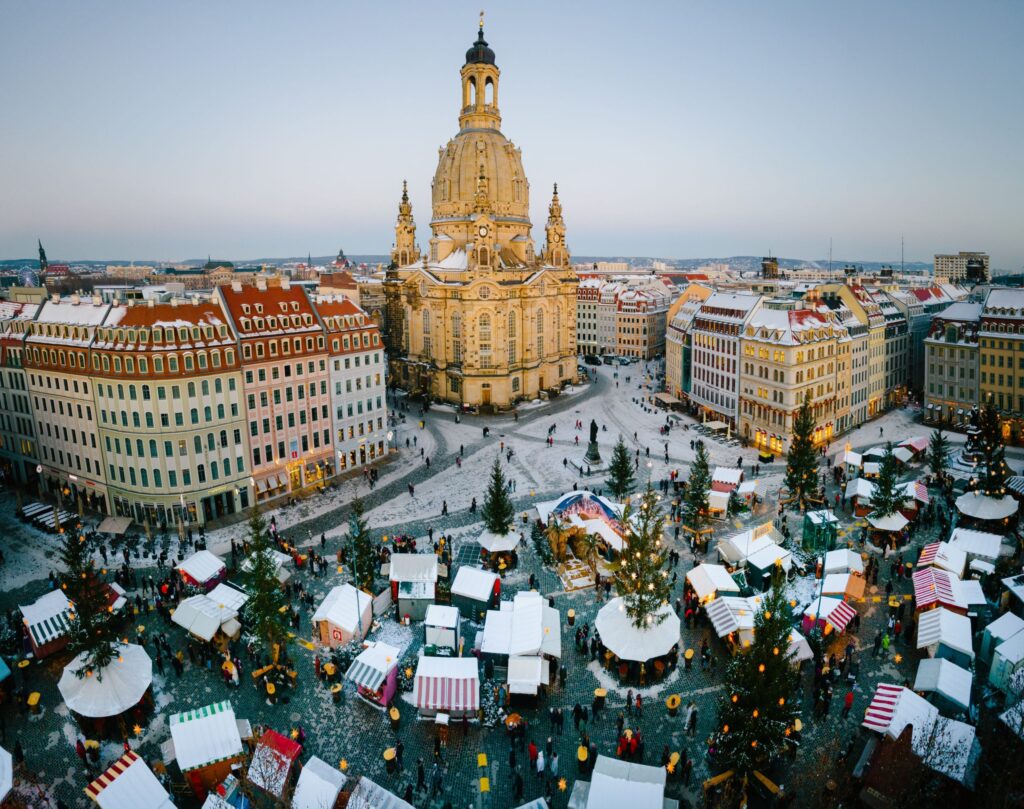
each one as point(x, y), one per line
point(555, 251)
point(405, 251)
point(480, 86)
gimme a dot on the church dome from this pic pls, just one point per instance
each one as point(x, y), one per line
point(479, 53)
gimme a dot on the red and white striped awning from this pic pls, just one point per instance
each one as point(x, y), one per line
point(879, 713)
point(447, 684)
point(921, 493)
point(840, 616)
point(129, 784)
point(928, 554)
point(935, 586)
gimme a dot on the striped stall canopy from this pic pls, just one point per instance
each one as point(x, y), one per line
point(722, 617)
point(934, 586)
point(129, 784)
point(928, 554)
point(48, 618)
point(879, 713)
point(448, 684)
point(205, 736)
point(362, 673)
point(841, 615)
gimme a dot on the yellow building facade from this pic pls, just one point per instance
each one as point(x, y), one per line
point(480, 318)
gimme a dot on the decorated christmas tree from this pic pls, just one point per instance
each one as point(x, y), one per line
point(802, 461)
point(640, 576)
point(696, 515)
point(364, 558)
point(267, 623)
point(760, 700)
point(498, 511)
point(621, 477)
point(993, 469)
point(92, 632)
point(938, 452)
point(887, 497)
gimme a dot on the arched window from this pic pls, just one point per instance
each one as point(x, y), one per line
point(191, 388)
point(489, 91)
point(513, 346)
point(484, 335)
point(427, 341)
point(457, 337)
point(540, 333)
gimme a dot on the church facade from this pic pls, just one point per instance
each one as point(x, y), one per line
point(480, 318)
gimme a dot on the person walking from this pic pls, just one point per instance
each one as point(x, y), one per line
point(540, 764)
point(878, 643)
point(847, 703)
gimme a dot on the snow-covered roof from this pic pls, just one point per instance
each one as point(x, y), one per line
point(231, 597)
point(67, 311)
point(497, 635)
point(371, 666)
point(205, 735)
point(982, 507)
point(202, 616)
point(843, 560)
point(271, 763)
point(889, 522)
point(345, 607)
point(277, 557)
point(421, 567)
point(526, 674)
point(616, 783)
point(319, 785)
point(976, 543)
point(860, 488)
point(369, 795)
point(474, 583)
point(903, 454)
point(849, 457)
point(123, 683)
point(1012, 649)
point(128, 783)
point(770, 555)
point(730, 614)
point(620, 636)
point(799, 648)
point(532, 628)
point(945, 556)
point(946, 678)
point(718, 501)
point(946, 627)
point(872, 468)
point(498, 543)
point(843, 584)
point(727, 474)
point(441, 616)
point(202, 566)
point(706, 580)
point(736, 548)
point(47, 617)
point(1005, 626)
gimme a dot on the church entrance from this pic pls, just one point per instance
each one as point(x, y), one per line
point(485, 394)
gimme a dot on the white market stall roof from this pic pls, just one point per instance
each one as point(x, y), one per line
point(916, 490)
point(860, 488)
point(718, 501)
point(982, 507)
point(441, 616)
point(748, 487)
point(202, 616)
point(946, 627)
point(277, 557)
point(872, 468)
point(903, 455)
point(418, 567)
point(129, 784)
point(945, 744)
point(822, 517)
point(736, 548)
point(498, 543)
point(114, 525)
point(844, 585)
point(770, 555)
point(976, 543)
point(629, 643)
point(231, 597)
point(917, 443)
point(799, 648)
point(730, 614)
point(524, 626)
point(123, 683)
point(729, 475)
point(370, 795)
point(616, 783)
point(874, 452)
point(474, 583)
point(344, 607)
point(706, 580)
point(842, 561)
point(526, 674)
point(1012, 650)
point(47, 617)
point(271, 763)
point(946, 678)
point(373, 664)
point(319, 785)
point(848, 457)
point(205, 735)
point(944, 556)
point(202, 566)
point(833, 610)
point(1005, 626)
point(579, 502)
point(447, 684)
point(497, 637)
point(6, 773)
point(890, 522)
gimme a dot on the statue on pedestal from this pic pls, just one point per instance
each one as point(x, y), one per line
point(593, 455)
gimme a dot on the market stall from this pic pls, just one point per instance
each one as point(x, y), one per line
point(946, 634)
point(203, 569)
point(498, 548)
point(375, 672)
point(105, 703)
point(829, 614)
point(344, 614)
point(1001, 629)
point(279, 560)
point(441, 627)
point(368, 794)
point(207, 744)
point(1007, 665)
point(203, 617)
point(859, 493)
point(846, 586)
point(948, 683)
point(799, 649)
point(474, 591)
point(820, 530)
point(413, 578)
point(629, 643)
point(449, 685)
point(843, 560)
point(733, 619)
point(736, 549)
point(976, 544)
point(943, 555)
point(983, 511)
point(270, 768)
point(129, 784)
point(319, 785)
point(6, 774)
point(709, 581)
point(887, 528)
point(46, 620)
point(934, 586)
point(762, 565)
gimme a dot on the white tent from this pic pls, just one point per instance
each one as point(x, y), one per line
point(370, 795)
point(729, 475)
point(129, 784)
point(474, 583)
point(6, 773)
point(983, 507)
point(630, 643)
point(202, 616)
point(525, 626)
point(205, 735)
point(945, 556)
point(279, 559)
point(111, 692)
point(344, 614)
point(843, 561)
point(976, 543)
point(448, 685)
point(230, 596)
point(615, 784)
point(498, 543)
point(202, 567)
point(903, 455)
point(799, 648)
point(718, 501)
point(946, 627)
point(860, 488)
point(729, 614)
point(319, 785)
point(770, 555)
point(497, 636)
point(848, 457)
point(413, 567)
point(946, 679)
point(890, 522)
point(707, 580)
point(872, 469)
point(441, 626)
point(736, 548)
point(527, 674)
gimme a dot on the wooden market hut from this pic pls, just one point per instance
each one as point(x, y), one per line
point(207, 744)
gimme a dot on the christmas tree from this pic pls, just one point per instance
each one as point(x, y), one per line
point(540, 544)
point(266, 598)
point(498, 511)
point(92, 633)
point(802, 461)
point(640, 577)
point(887, 497)
point(620, 471)
point(696, 515)
point(760, 700)
point(364, 558)
point(938, 452)
point(994, 471)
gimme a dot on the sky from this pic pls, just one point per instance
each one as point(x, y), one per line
point(168, 131)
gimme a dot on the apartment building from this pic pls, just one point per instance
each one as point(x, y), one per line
point(678, 342)
point(951, 364)
point(357, 379)
point(1001, 354)
point(625, 316)
point(19, 454)
point(897, 344)
point(963, 267)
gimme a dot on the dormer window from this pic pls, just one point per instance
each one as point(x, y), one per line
point(259, 308)
point(284, 306)
point(245, 308)
point(158, 335)
point(295, 306)
point(259, 323)
point(271, 322)
point(246, 324)
point(182, 334)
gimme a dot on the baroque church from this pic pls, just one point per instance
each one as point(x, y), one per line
point(480, 318)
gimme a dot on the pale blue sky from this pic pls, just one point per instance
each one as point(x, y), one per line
point(242, 129)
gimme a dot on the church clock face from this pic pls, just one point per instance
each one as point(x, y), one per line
point(482, 230)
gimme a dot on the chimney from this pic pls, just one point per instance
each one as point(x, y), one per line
point(55, 297)
point(130, 302)
point(75, 299)
point(174, 302)
point(236, 286)
point(150, 302)
point(195, 300)
point(97, 300)
point(261, 283)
